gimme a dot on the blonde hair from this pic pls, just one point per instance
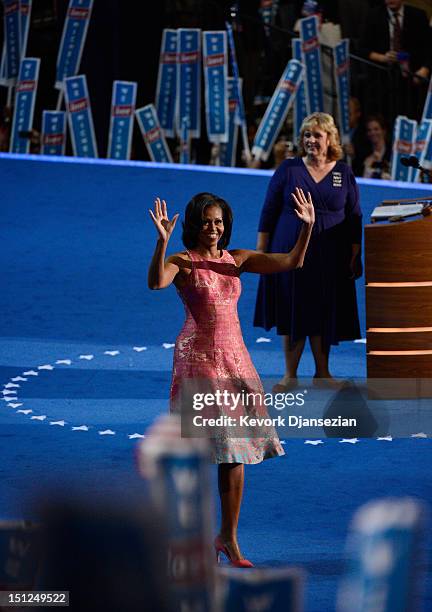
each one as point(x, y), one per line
point(326, 123)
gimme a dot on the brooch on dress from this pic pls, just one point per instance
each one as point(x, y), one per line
point(337, 179)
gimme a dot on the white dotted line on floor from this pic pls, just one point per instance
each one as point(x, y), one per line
point(10, 396)
point(10, 393)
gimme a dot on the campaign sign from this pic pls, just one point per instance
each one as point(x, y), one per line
point(267, 590)
point(215, 62)
point(299, 110)
point(121, 124)
point(228, 150)
point(403, 145)
point(385, 568)
point(73, 39)
point(166, 88)
point(342, 79)
point(152, 133)
point(19, 555)
point(3, 65)
point(178, 473)
point(185, 480)
point(240, 114)
point(268, 10)
point(12, 33)
point(53, 133)
point(277, 110)
point(24, 104)
point(80, 117)
point(423, 147)
point(189, 79)
point(427, 110)
point(25, 11)
point(312, 61)
point(184, 143)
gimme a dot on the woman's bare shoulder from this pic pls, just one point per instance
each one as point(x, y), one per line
point(178, 258)
point(240, 255)
point(184, 263)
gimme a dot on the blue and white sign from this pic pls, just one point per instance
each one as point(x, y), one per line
point(272, 589)
point(180, 485)
point(240, 114)
point(312, 62)
point(215, 62)
point(20, 559)
point(3, 65)
point(12, 34)
point(423, 147)
point(73, 40)
point(185, 143)
point(24, 24)
point(268, 10)
point(153, 135)
point(166, 88)
point(341, 65)
point(122, 116)
point(403, 145)
point(277, 110)
point(24, 104)
point(427, 110)
point(228, 151)
point(80, 117)
point(189, 80)
point(384, 567)
point(53, 133)
point(299, 110)
point(25, 12)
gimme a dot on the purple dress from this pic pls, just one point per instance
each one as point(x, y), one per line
point(318, 299)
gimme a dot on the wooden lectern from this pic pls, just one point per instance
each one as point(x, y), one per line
point(398, 270)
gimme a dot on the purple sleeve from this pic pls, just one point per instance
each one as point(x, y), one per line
point(353, 213)
point(274, 200)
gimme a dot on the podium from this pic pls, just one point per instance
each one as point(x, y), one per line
point(398, 270)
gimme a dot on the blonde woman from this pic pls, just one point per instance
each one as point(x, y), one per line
point(319, 301)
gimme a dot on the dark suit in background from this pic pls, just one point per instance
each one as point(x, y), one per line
point(390, 92)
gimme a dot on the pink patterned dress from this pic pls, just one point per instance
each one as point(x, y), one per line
point(210, 348)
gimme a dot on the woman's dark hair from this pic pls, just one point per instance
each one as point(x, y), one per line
point(380, 119)
point(194, 216)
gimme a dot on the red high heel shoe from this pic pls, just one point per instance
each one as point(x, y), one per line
point(221, 548)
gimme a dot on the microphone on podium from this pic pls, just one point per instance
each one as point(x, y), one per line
point(413, 162)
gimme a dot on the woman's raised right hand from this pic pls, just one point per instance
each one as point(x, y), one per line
point(160, 218)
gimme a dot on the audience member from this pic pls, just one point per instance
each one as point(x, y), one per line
point(282, 149)
point(377, 164)
point(5, 128)
point(397, 36)
point(359, 145)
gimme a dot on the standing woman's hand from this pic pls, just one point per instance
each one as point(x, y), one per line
point(356, 267)
point(160, 218)
point(304, 207)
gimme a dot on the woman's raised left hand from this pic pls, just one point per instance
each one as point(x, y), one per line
point(304, 207)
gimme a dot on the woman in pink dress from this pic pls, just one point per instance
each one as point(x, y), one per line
point(210, 346)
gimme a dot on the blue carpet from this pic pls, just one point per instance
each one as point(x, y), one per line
point(76, 245)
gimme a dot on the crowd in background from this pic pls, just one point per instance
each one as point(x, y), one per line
point(124, 43)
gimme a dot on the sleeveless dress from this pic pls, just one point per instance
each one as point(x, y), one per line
point(210, 348)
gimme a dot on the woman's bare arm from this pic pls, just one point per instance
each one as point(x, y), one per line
point(162, 272)
point(262, 241)
point(269, 263)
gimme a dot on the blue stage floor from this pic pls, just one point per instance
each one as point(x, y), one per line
point(80, 325)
